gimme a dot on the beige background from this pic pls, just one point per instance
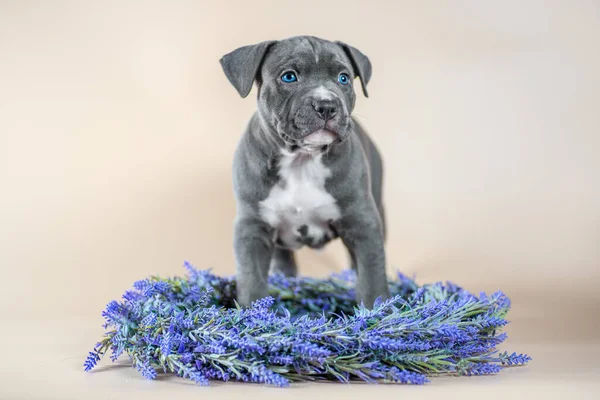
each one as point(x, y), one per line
point(117, 128)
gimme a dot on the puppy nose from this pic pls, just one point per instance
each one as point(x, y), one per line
point(326, 109)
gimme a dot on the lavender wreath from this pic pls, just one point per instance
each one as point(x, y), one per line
point(309, 329)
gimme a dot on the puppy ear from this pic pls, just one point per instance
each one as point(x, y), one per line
point(360, 63)
point(241, 66)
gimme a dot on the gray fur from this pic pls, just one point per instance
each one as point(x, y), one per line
point(286, 115)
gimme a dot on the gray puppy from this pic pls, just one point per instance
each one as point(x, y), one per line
point(305, 172)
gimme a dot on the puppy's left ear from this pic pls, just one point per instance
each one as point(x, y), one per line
point(241, 66)
point(360, 63)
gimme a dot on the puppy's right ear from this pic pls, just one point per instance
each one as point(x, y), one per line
point(241, 66)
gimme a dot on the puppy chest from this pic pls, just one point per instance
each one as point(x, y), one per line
point(298, 207)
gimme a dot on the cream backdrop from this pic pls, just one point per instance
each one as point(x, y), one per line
point(117, 128)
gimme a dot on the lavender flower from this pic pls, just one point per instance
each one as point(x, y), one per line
point(262, 374)
point(482, 369)
point(198, 378)
point(91, 361)
point(308, 329)
point(146, 370)
point(514, 358)
point(397, 376)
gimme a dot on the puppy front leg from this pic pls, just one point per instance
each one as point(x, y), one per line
point(253, 247)
point(362, 234)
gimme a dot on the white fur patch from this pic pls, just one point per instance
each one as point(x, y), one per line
point(322, 93)
point(299, 199)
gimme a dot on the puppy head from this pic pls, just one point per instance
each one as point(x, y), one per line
point(305, 87)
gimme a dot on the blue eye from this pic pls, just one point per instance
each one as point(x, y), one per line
point(344, 79)
point(289, 77)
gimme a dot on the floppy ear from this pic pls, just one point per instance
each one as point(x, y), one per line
point(241, 65)
point(360, 63)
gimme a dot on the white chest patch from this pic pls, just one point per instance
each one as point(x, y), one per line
point(298, 206)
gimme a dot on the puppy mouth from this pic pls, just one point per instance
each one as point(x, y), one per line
point(321, 137)
point(319, 140)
